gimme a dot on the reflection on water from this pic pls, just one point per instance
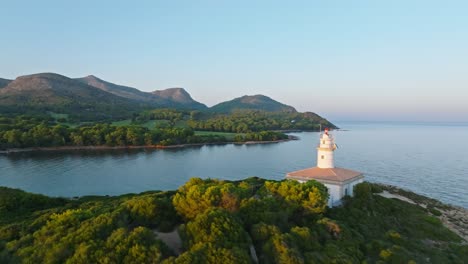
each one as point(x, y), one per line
point(428, 159)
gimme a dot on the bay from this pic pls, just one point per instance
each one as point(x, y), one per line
point(427, 158)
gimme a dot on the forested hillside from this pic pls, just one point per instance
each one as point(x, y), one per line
point(154, 127)
point(84, 99)
point(27, 132)
point(40, 93)
point(93, 99)
point(224, 222)
point(252, 102)
point(238, 121)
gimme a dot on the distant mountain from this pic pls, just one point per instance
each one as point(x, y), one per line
point(4, 82)
point(91, 98)
point(252, 102)
point(119, 90)
point(179, 96)
point(54, 92)
point(173, 97)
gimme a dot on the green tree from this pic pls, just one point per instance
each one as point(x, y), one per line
point(218, 227)
point(311, 196)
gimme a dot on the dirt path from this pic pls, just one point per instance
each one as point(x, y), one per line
point(171, 239)
point(386, 194)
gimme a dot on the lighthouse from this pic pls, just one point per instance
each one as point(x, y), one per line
point(340, 182)
point(325, 151)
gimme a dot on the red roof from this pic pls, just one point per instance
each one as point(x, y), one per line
point(331, 174)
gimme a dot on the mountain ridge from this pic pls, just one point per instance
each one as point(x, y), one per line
point(53, 92)
point(120, 90)
point(163, 98)
point(252, 102)
point(177, 94)
point(90, 95)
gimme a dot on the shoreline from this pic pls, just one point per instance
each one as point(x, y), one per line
point(75, 148)
point(453, 217)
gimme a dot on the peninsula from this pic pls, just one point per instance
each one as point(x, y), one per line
point(248, 221)
point(48, 111)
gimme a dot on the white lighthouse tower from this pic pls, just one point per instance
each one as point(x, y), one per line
point(325, 151)
point(340, 182)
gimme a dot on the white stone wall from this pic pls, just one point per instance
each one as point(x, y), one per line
point(325, 159)
point(335, 193)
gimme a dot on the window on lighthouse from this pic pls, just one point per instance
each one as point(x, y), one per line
point(323, 157)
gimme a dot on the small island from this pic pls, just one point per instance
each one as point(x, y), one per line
point(248, 221)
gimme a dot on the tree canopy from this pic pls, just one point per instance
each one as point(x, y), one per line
point(25, 132)
point(224, 222)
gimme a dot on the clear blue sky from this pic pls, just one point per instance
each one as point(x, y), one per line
point(346, 60)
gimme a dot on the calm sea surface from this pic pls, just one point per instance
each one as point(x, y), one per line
point(430, 159)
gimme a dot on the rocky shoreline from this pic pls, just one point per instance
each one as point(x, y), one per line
point(73, 148)
point(453, 217)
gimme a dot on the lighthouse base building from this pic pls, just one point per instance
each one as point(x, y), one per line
point(340, 182)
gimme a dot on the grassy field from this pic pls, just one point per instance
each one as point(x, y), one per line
point(182, 123)
point(125, 122)
point(150, 124)
point(58, 116)
point(229, 136)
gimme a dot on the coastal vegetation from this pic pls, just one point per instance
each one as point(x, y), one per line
point(224, 222)
point(241, 121)
point(51, 110)
point(24, 132)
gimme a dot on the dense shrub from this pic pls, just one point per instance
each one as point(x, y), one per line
point(285, 222)
point(202, 253)
point(218, 227)
point(310, 197)
point(197, 196)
